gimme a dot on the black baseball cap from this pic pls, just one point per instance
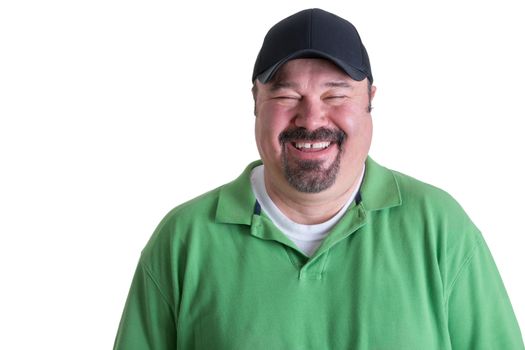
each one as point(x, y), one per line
point(313, 33)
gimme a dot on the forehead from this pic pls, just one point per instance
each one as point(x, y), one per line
point(309, 69)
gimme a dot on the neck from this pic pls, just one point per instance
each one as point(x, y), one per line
point(310, 208)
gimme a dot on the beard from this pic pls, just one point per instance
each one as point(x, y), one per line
point(311, 176)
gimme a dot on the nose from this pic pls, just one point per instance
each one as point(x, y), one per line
point(310, 114)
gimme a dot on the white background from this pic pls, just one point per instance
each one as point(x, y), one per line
point(113, 112)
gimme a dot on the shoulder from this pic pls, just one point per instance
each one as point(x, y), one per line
point(416, 192)
point(202, 207)
point(417, 207)
point(436, 204)
point(438, 214)
point(384, 188)
point(432, 221)
point(208, 214)
point(175, 226)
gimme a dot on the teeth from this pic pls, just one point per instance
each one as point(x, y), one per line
point(307, 145)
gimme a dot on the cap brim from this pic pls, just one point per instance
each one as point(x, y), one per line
point(269, 73)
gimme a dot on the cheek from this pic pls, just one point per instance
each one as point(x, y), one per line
point(271, 121)
point(267, 130)
point(359, 139)
point(350, 119)
point(357, 124)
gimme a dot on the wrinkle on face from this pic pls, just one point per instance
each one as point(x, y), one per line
point(312, 100)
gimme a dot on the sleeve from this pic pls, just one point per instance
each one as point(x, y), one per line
point(480, 314)
point(148, 320)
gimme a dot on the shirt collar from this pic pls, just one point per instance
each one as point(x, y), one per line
point(379, 190)
point(236, 199)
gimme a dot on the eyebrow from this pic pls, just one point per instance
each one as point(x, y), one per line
point(342, 84)
point(290, 85)
point(282, 85)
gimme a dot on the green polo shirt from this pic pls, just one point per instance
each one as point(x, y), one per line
point(404, 268)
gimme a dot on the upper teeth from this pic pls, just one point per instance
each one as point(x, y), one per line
point(316, 145)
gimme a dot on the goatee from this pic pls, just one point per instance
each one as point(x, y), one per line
point(311, 176)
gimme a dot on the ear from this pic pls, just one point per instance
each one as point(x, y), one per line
point(372, 92)
point(255, 90)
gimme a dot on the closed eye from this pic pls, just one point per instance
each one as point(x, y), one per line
point(287, 98)
point(336, 97)
point(336, 100)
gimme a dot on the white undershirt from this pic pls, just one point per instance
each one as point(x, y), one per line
point(306, 237)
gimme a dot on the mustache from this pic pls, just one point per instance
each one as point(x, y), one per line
point(321, 134)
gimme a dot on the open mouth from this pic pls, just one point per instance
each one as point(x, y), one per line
point(311, 146)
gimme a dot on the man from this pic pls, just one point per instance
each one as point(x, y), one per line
point(317, 246)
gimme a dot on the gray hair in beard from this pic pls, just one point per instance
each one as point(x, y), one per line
point(311, 176)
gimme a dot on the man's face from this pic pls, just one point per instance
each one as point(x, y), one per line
point(313, 127)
